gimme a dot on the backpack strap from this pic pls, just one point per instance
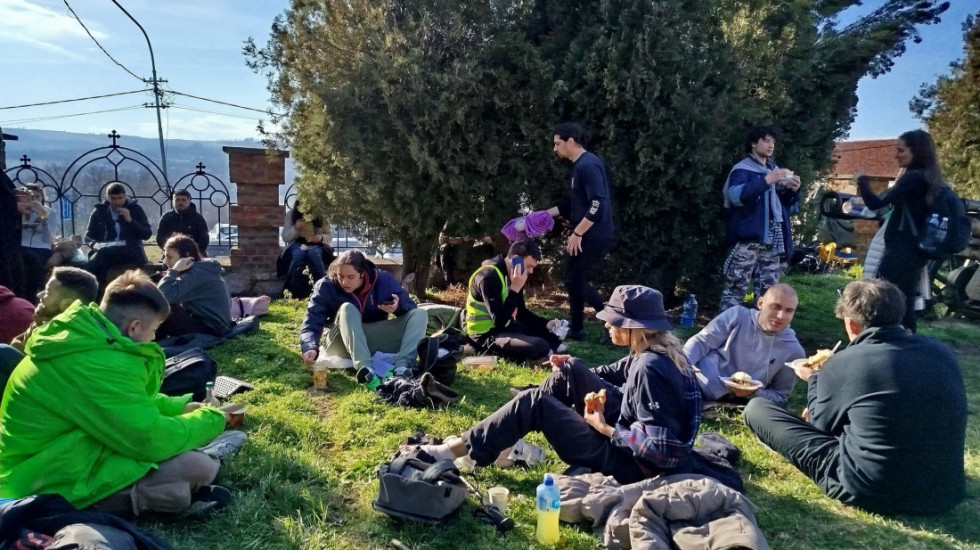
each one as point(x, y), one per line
point(443, 469)
point(397, 466)
point(908, 217)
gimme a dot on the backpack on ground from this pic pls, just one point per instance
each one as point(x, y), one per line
point(188, 372)
point(947, 206)
point(440, 355)
point(413, 489)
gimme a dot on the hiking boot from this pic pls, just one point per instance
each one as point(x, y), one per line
point(225, 445)
point(579, 335)
point(207, 501)
point(367, 377)
point(437, 393)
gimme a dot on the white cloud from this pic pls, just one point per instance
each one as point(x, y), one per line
point(37, 25)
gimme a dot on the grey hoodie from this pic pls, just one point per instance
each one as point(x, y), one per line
point(733, 342)
point(202, 291)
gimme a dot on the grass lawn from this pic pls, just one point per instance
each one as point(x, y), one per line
point(306, 478)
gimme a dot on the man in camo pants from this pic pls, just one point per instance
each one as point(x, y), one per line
point(758, 196)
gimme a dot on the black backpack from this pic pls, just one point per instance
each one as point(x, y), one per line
point(188, 372)
point(443, 369)
point(948, 205)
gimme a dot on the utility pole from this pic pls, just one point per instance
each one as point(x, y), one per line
point(156, 94)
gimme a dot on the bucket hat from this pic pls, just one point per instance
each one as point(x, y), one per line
point(635, 306)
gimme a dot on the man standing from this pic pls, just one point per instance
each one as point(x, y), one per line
point(497, 319)
point(757, 342)
point(758, 198)
point(885, 424)
point(119, 227)
point(184, 218)
point(589, 211)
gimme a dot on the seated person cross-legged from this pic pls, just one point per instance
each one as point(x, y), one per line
point(497, 319)
point(651, 413)
point(82, 417)
point(117, 228)
point(354, 302)
point(885, 424)
point(198, 295)
point(758, 343)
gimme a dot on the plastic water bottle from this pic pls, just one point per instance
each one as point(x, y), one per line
point(932, 238)
point(209, 399)
point(548, 502)
point(690, 311)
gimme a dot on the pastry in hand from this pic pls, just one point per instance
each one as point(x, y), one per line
point(817, 360)
point(594, 399)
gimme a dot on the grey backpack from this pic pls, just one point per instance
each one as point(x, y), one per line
point(410, 488)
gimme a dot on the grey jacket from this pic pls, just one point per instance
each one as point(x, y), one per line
point(733, 342)
point(683, 510)
point(202, 291)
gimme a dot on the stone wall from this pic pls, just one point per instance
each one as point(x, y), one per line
point(257, 174)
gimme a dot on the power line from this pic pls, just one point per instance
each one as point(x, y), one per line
point(54, 117)
point(79, 19)
point(199, 110)
point(71, 100)
point(224, 103)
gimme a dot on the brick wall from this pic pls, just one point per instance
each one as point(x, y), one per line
point(257, 174)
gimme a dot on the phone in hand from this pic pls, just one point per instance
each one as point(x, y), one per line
point(389, 302)
point(518, 262)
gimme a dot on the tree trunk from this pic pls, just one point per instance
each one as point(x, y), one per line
point(417, 259)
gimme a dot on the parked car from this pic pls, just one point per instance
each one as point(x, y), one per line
point(224, 234)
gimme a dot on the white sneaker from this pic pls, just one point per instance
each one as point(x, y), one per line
point(528, 453)
point(225, 445)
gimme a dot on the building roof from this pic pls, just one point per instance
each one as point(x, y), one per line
point(875, 157)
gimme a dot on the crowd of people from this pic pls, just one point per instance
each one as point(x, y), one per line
point(872, 418)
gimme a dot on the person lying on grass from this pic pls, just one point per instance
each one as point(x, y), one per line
point(885, 424)
point(647, 424)
point(82, 415)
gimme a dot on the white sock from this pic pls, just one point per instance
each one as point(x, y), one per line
point(439, 452)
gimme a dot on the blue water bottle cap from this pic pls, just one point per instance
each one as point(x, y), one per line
point(549, 479)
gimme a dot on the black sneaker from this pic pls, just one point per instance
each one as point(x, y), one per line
point(579, 335)
point(207, 501)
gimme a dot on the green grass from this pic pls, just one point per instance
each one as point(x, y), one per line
point(306, 478)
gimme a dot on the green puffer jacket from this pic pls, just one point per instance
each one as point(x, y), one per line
point(82, 416)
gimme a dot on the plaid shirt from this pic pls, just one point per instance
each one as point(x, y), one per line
point(656, 424)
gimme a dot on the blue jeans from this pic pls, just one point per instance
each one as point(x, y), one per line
point(313, 256)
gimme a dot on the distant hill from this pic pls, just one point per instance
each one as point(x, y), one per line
point(55, 151)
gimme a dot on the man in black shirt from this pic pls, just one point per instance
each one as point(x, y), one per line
point(184, 218)
point(885, 425)
point(497, 319)
point(588, 209)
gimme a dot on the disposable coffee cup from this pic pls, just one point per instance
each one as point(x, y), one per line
point(236, 414)
point(498, 497)
point(319, 376)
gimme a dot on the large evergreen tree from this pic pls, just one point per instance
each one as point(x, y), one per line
point(409, 113)
point(951, 109)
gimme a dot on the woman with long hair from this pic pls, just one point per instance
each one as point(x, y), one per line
point(307, 240)
point(354, 302)
point(650, 417)
point(198, 295)
point(910, 198)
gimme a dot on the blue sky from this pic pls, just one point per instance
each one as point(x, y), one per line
point(47, 56)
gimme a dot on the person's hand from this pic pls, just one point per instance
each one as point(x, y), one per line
point(300, 223)
point(309, 356)
point(558, 361)
point(803, 372)
point(191, 407)
point(183, 264)
point(744, 393)
point(794, 183)
point(316, 238)
point(598, 421)
point(38, 208)
point(518, 278)
point(574, 246)
point(778, 175)
point(553, 324)
point(806, 414)
point(124, 213)
point(392, 307)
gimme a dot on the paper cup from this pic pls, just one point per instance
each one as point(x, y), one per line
point(236, 416)
point(498, 497)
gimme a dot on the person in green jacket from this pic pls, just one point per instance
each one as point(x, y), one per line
point(82, 415)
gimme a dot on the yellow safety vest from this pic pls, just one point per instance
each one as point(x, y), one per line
point(478, 319)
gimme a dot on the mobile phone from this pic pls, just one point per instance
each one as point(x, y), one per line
point(518, 262)
point(389, 302)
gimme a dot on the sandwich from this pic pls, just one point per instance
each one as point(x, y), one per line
point(817, 360)
point(741, 379)
point(594, 399)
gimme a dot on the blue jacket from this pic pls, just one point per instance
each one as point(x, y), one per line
point(747, 196)
point(328, 296)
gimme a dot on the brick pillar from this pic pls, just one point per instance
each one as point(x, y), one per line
point(258, 215)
